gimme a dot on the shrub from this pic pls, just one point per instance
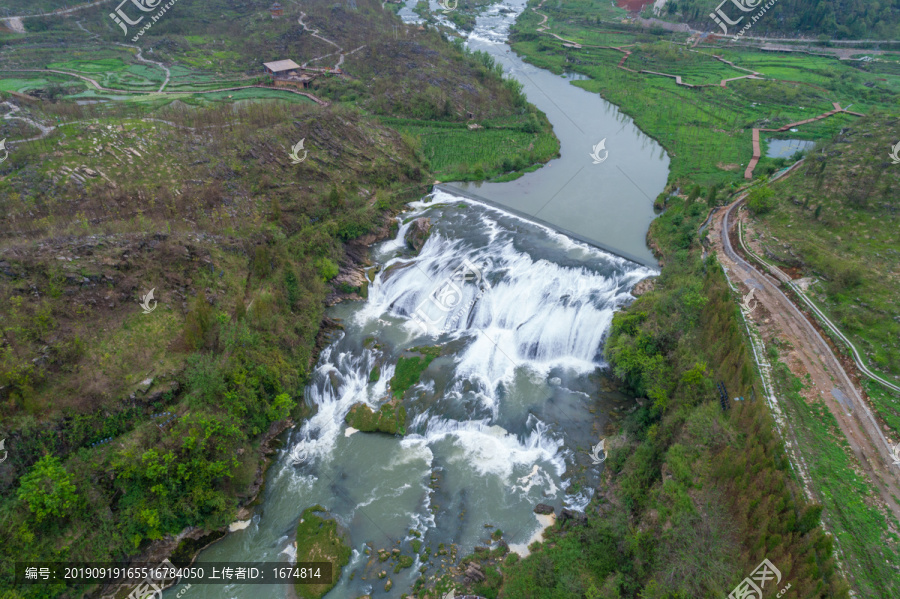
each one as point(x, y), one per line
point(761, 200)
point(328, 269)
point(47, 489)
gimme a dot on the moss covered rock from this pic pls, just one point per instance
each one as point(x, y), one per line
point(390, 418)
point(418, 233)
point(410, 368)
point(319, 539)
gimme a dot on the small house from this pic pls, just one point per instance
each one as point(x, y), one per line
point(282, 68)
point(277, 10)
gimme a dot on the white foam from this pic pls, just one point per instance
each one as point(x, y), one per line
point(238, 525)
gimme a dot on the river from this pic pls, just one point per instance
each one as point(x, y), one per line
point(505, 417)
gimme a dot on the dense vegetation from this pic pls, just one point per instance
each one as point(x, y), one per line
point(390, 418)
point(319, 539)
point(840, 19)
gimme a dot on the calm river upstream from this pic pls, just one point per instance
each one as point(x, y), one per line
point(505, 417)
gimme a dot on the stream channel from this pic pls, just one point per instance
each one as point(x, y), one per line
point(505, 418)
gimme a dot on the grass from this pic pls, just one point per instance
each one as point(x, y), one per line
point(457, 153)
point(866, 539)
point(102, 65)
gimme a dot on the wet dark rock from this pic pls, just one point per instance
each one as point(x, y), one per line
point(417, 234)
point(543, 508)
point(577, 518)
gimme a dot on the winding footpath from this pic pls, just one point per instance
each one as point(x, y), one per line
point(340, 50)
point(45, 130)
point(809, 351)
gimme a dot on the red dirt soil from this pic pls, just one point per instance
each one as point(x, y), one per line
point(633, 5)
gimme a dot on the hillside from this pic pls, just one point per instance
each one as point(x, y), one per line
point(837, 19)
point(435, 88)
point(833, 225)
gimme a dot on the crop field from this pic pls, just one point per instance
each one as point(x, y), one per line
point(456, 152)
point(600, 37)
point(252, 94)
point(87, 67)
point(13, 84)
point(693, 67)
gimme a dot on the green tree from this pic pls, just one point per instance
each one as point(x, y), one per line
point(48, 489)
point(695, 193)
point(760, 200)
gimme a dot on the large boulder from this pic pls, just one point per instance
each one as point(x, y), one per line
point(417, 234)
point(390, 418)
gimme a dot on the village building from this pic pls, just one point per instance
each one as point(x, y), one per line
point(289, 73)
point(282, 68)
point(277, 10)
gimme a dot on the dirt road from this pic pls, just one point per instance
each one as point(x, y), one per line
point(777, 317)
